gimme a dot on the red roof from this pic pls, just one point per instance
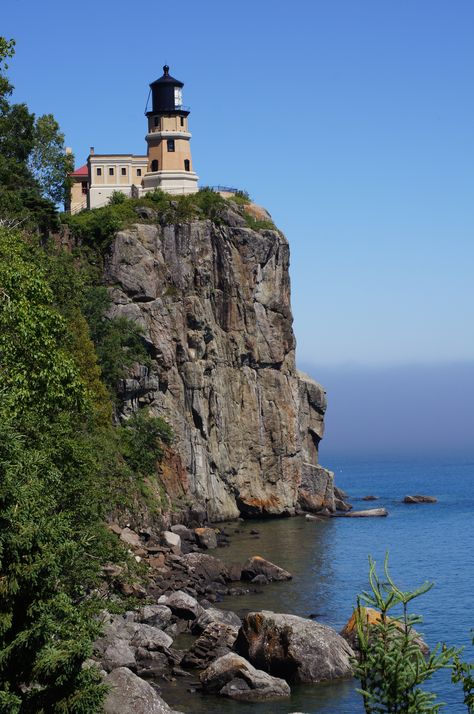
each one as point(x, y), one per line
point(82, 171)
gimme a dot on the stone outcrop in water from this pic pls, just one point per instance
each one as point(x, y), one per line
point(294, 648)
point(213, 299)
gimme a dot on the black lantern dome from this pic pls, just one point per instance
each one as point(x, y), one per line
point(166, 94)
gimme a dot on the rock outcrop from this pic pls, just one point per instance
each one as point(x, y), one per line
point(232, 676)
point(213, 299)
point(297, 649)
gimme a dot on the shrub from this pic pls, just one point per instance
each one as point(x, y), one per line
point(391, 666)
point(117, 198)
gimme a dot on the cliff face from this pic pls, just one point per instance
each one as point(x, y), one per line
point(214, 302)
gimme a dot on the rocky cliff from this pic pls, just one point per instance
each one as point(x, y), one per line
point(213, 299)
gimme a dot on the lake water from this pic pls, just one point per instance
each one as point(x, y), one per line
point(328, 560)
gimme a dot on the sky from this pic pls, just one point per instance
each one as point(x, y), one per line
point(351, 121)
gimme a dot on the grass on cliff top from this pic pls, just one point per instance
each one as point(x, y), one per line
point(96, 228)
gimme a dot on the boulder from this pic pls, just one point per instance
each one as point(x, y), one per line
point(372, 617)
point(172, 540)
point(156, 615)
point(182, 605)
point(148, 637)
point(370, 513)
point(342, 505)
point(214, 614)
point(206, 567)
point(216, 640)
point(118, 653)
point(130, 537)
point(131, 695)
point(206, 537)
point(297, 649)
point(420, 499)
point(232, 676)
point(259, 566)
point(370, 498)
point(183, 532)
point(151, 663)
point(316, 490)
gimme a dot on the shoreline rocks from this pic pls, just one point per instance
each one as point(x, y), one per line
point(295, 648)
point(129, 694)
point(369, 513)
point(420, 499)
point(232, 676)
point(258, 567)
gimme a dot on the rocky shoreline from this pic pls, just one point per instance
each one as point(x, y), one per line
point(253, 659)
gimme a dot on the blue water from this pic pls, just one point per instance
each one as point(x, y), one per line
point(328, 560)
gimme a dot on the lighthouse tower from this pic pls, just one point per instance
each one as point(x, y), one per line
point(169, 151)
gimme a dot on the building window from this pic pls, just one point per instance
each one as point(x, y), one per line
point(154, 165)
point(124, 171)
point(182, 121)
point(139, 172)
point(186, 164)
point(84, 186)
point(111, 171)
point(170, 144)
point(99, 172)
point(157, 122)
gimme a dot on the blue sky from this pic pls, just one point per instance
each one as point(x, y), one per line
point(350, 120)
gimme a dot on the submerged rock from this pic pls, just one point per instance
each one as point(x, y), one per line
point(232, 676)
point(294, 648)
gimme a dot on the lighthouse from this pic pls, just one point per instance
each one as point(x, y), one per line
point(169, 166)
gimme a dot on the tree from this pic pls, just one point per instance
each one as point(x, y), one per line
point(464, 672)
point(391, 666)
point(22, 195)
point(52, 538)
point(48, 161)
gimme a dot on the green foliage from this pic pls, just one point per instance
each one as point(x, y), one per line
point(36, 369)
point(464, 672)
point(142, 439)
point(97, 227)
point(23, 199)
point(119, 342)
point(391, 666)
point(48, 161)
point(52, 538)
point(257, 224)
point(241, 197)
point(116, 198)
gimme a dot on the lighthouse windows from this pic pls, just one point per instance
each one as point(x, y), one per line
point(154, 165)
point(170, 144)
point(178, 97)
point(186, 164)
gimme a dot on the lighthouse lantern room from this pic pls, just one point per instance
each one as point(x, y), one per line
point(168, 138)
